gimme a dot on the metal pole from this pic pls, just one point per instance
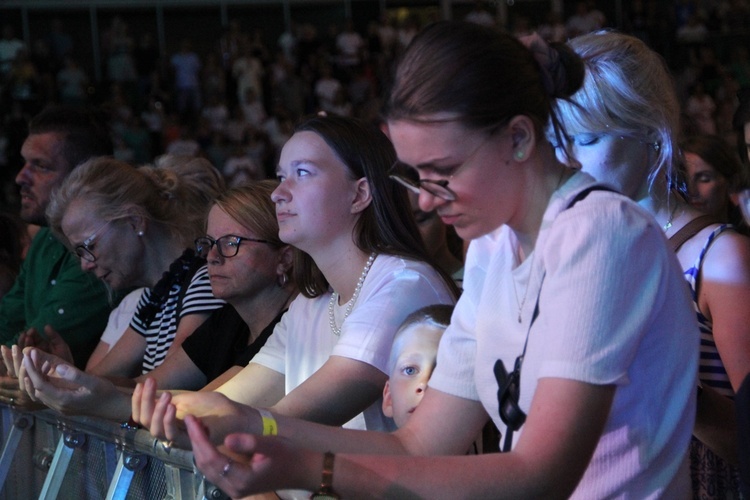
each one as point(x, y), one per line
point(445, 6)
point(287, 15)
point(25, 27)
point(160, 29)
point(95, 47)
point(224, 14)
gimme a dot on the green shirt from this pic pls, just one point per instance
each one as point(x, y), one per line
point(52, 289)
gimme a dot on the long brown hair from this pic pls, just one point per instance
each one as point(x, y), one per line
point(387, 224)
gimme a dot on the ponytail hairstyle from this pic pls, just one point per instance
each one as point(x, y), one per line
point(628, 91)
point(482, 77)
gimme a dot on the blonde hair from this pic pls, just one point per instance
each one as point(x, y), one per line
point(175, 195)
point(251, 206)
point(437, 315)
point(627, 90)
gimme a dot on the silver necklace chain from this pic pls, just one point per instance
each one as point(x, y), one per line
point(522, 302)
point(349, 305)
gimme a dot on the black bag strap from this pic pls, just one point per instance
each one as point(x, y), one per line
point(508, 441)
point(690, 229)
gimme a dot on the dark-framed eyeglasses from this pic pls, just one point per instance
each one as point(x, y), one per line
point(227, 246)
point(85, 249)
point(409, 178)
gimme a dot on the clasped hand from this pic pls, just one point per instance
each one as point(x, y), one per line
point(163, 414)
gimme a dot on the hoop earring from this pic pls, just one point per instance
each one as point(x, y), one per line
point(283, 280)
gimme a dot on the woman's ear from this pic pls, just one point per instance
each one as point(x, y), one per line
point(362, 196)
point(138, 223)
point(286, 259)
point(284, 266)
point(523, 134)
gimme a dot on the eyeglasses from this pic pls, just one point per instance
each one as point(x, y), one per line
point(85, 249)
point(227, 245)
point(408, 177)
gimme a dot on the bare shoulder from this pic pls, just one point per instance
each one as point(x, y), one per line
point(728, 258)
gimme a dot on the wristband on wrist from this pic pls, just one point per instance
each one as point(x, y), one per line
point(270, 427)
point(325, 492)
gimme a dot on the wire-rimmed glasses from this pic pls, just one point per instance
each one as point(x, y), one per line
point(85, 249)
point(408, 177)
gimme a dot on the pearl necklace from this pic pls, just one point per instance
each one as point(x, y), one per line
point(349, 305)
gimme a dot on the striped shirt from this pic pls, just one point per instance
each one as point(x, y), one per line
point(711, 370)
point(160, 332)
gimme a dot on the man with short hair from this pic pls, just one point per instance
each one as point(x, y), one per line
point(51, 288)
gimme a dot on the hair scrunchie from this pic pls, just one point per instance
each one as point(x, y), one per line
point(553, 72)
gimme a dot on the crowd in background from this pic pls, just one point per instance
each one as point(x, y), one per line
point(534, 126)
point(236, 103)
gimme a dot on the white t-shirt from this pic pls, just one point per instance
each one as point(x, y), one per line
point(303, 341)
point(613, 309)
point(119, 318)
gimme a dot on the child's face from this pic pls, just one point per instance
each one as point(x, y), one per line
point(404, 390)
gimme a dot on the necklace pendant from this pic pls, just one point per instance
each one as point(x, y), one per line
point(519, 317)
point(667, 225)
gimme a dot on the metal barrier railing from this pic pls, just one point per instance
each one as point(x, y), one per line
point(49, 456)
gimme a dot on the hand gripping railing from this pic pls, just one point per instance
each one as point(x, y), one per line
point(92, 459)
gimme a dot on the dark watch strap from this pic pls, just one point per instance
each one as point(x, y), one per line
point(326, 483)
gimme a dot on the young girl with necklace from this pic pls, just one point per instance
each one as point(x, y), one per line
point(361, 269)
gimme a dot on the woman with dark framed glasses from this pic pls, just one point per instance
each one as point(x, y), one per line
point(361, 268)
point(252, 273)
point(573, 280)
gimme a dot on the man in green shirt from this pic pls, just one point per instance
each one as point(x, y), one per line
point(51, 288)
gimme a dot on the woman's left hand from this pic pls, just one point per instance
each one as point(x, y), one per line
point(12, 360)
point(249, 464)
point(62, 386)
point(13, 384)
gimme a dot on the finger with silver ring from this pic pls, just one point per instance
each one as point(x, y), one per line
point(226, 468)
point(167, 445)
